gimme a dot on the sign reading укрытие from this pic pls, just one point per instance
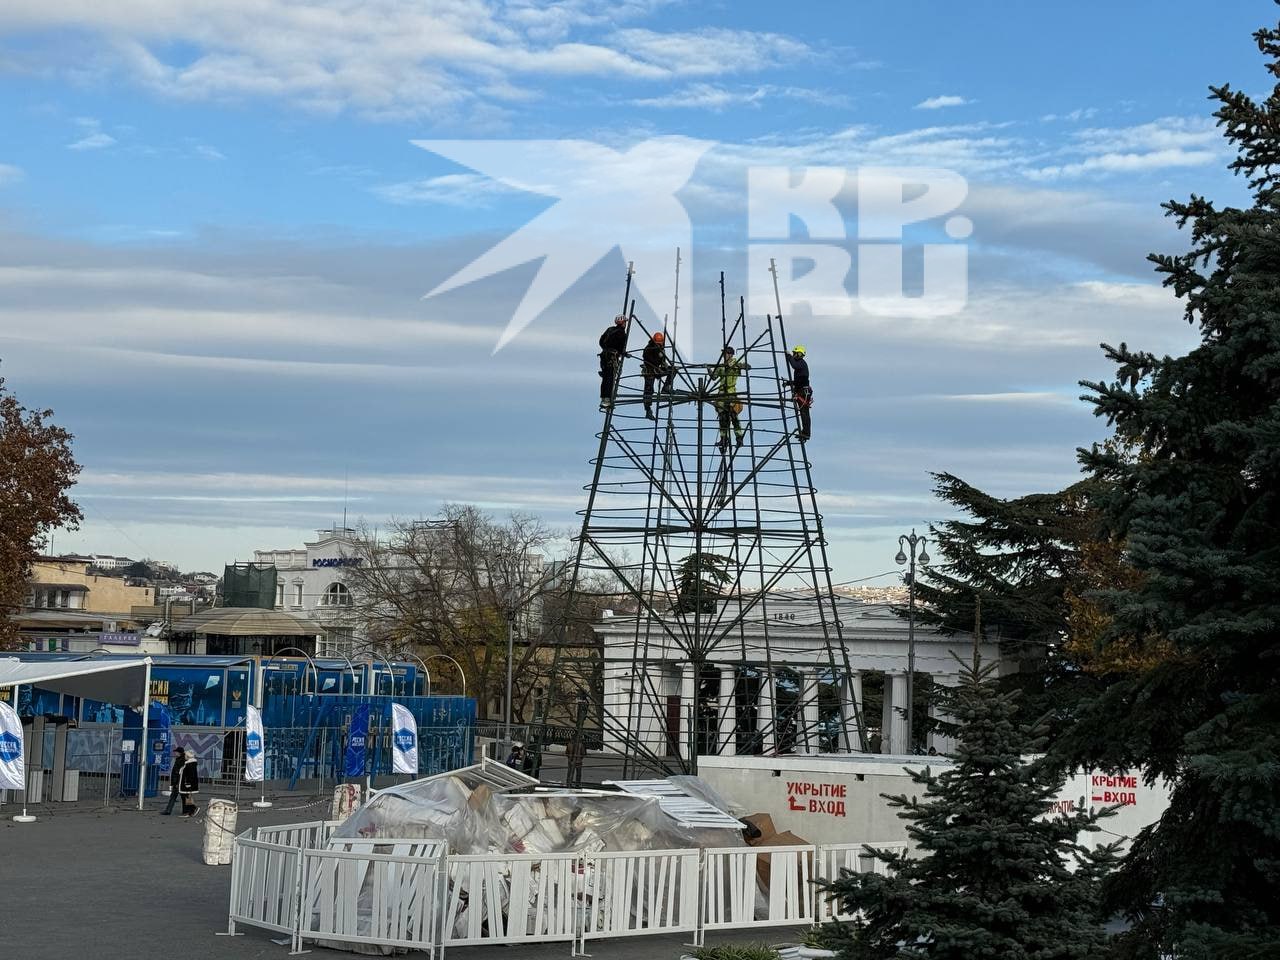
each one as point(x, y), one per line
point(804, 796)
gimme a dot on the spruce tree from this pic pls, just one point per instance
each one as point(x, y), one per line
point(994, 873)
point(1024, 559)
point(1196, 496)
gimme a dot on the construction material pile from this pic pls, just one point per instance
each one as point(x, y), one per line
point(473, 815)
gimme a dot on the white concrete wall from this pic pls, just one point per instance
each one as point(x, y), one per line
point(837, 798)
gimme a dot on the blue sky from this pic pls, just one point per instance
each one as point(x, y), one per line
point(215, 235)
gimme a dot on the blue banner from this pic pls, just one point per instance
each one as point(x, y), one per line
point(357, 743)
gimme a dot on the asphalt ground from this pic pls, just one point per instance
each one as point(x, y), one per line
point(114, 883)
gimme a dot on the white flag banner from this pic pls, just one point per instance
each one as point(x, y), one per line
point(253, 745)
point(404, 740)
point(12, 774)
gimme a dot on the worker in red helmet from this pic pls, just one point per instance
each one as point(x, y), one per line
point(653, 365)
point(613, 347)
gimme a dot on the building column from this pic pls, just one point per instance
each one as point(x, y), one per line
point(886, 716)
point(614, 685)
point(896, 713)
point(728, 711)
point(764, 716)
point(809, 709)
point(940, 742)
point(688, 705)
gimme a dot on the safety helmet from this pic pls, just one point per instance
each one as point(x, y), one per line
point(659, 337)
point(619, 319)
point(798, 349)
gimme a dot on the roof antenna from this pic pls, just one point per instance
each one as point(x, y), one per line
point(346, 477)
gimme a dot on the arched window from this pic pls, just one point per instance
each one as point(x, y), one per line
point(336, 595)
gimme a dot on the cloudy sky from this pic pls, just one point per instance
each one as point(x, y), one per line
point(218, 222)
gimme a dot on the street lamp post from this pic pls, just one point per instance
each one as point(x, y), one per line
point(511, 650)
point(911, 541)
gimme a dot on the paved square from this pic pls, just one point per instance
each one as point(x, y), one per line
point(116, 884)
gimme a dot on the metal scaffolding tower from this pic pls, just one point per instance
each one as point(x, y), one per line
point(714, 543)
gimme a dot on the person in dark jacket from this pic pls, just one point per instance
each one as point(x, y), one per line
point(188, 785)
point(654, 365)
point(613, 347)
point(175, 773)
point(801, 392)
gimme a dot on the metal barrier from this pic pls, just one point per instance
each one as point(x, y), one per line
point(308, 836)
point(733, 876)
point(838, 858)
point(264, 885)
point(409, 893)
point(483, 889)
point(641, 892)
point(387, 900)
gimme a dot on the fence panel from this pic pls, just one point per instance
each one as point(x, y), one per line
point(386, 900)
point(264, 885)
point(526, 898)
point(630, 893)
point(309, 836)
point(835, 858)
point(757, 887)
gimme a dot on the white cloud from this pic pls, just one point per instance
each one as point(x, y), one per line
point(711, 51)
point(1160, 144)
point(92, 135)
point(454, 189)
point(395, 59)
point(937, 103)
point(9, 174)
point(94, 141)
point(1074, 116)
point(709, 96)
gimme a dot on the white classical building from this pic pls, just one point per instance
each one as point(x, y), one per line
point(650, 690)
point(309, 582)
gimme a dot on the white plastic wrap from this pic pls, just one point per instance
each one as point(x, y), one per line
point(474, 820)
point(346, 799)
point(219, 832)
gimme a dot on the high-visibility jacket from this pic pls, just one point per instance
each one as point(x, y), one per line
point(724, 376)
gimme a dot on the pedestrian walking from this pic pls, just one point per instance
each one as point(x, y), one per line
point(175, 777)
point(188, 785)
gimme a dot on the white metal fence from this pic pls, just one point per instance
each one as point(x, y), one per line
point(838, 858)
point(264, 885)
point(410, 893)
point(652, 891)
point(384, 900)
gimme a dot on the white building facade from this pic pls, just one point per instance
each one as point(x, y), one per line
point(310, 582)
point(780, 654)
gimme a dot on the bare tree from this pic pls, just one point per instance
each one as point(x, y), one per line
point(451, 586)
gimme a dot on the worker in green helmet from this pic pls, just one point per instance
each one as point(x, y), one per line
point(724, 384)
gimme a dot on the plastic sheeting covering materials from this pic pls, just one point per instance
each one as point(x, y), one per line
point(474, 819)
point(346, 799)
point(477, 815)
point(219, 832)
